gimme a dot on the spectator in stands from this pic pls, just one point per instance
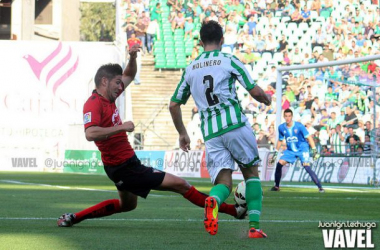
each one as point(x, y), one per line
point(333, 121)
point(285, 104)
point(322, 120)
point(200, 145)
point(271, 44)
point(357, 16)
point(280, 5)
point(249, 57)
point(319, 39)
point(283, 44)
point(145, 18)
point(376, 33)
point(251, 107)
point(153, 31)
point(352, 145)
point(189, 27)
point(178, 22)
point(251, 25)
point(271, 76)
point(325, 151)
point(288, 9)
point(328, 53)
point(286, 58)
point(327, 6)
point(189, 12)
point(360, 131)
point(337, 139)
point(248, 41)
point(263, 140)
point(306, 15)
point(330, 95)
point(292, 80)
point(296, 17)
point(368, 30)
point(259, 44)
point(315, 107)
point(139, 6)
point(250, 11)
point(194, 111)
point(289, 93)
point(230, 37)
point(350, 119)
point(296, 57)
point(316, 6)
point(367, 147)
point(342, 28)
point(155, 13)
point(140, 33)
point(194, 53)
point(133, 40)
point(130, 29)
point(368, 128)
point(271, 135)
point(198, 11)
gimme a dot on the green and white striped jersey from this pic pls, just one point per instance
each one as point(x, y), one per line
point(210, 79)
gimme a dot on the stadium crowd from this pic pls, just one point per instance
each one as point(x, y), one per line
point(335, 103)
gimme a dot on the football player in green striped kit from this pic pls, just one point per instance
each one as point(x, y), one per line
point(228, 137)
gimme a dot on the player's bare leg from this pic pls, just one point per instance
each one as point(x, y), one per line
point(178, 185)
point(253, 196)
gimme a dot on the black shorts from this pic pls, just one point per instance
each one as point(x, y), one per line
point(134, 177)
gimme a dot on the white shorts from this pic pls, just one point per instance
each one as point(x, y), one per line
point(238, 145)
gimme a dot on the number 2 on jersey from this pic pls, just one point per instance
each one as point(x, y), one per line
point(211, 98)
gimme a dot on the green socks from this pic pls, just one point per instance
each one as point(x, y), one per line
point(253, 195)
point(220, 192)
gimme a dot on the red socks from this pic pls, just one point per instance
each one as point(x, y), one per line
point(102, 209)
point(198, 198)
point(108, 207)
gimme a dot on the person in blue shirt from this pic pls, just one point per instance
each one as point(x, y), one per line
point(297, 140)
point(305, 13)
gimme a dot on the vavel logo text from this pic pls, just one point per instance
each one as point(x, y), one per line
point(347, 234)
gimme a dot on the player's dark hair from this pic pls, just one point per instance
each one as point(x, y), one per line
point(211, 32)
point(288, 111)
point(108, 71)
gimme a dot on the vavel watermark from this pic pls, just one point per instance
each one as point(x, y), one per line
point(348, 234)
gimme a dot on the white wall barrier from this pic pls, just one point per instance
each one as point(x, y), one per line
point(348, 170)
point(192, 164)
point(43, 88)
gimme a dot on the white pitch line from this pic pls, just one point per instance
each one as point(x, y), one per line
point(177, 220)
point(65, 187)
point(337, 188)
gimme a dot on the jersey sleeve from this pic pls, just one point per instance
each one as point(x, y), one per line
point(303, 130)
point(91, 113)
point(242, 74)
point(281, 135)
point(182, 92)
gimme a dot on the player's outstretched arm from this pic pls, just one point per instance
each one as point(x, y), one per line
point(131, 69)
point(259, 95)
point(176, 113)
point(96, 133)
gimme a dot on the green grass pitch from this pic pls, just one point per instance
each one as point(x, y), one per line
point(31, 202)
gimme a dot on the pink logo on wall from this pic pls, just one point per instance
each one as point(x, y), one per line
point(38, 66)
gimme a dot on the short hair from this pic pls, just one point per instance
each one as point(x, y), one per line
point(108, 71)
point(288, 111)
point(211, 32)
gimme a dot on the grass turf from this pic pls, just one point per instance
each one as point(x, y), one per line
point(31, 202)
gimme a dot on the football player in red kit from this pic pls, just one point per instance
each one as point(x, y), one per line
point(103, 126)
